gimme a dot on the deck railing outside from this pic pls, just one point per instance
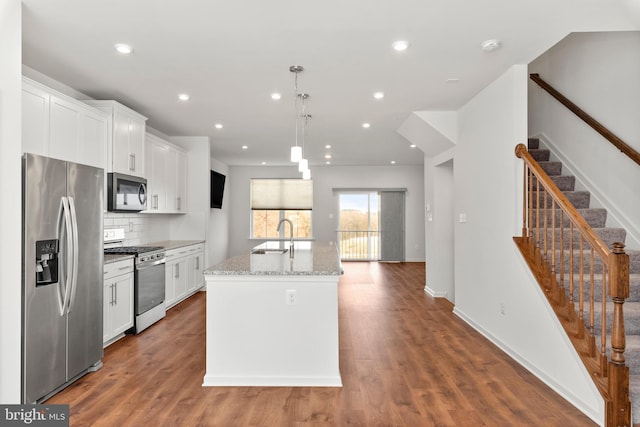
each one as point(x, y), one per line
point(359, 245)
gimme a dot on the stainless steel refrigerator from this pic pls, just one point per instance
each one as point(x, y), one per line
point(62, 273)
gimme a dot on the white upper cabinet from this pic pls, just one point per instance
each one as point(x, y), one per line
point(35, 118)
point(126, 153)
point(166, 176)
point(58, 126)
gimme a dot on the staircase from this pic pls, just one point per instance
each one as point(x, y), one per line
point(596, 218)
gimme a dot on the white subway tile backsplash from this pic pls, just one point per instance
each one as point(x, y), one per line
point(145, 228)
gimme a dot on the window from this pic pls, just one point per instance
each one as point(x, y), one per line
point(273, 200)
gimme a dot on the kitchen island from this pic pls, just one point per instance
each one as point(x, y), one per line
point(272, 320)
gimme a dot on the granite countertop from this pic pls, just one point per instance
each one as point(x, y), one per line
point(174, 244)
point(166, 244)
point(310, 259)
point(108, 259)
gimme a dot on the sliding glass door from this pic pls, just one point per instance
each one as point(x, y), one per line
point(359, 226)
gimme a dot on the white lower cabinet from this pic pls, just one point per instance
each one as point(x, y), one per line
point(118, 300)
point(183, 273)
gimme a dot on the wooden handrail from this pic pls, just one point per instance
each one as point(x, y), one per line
point(596, 125)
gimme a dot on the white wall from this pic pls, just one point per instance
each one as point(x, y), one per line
point(599, 73)
point(325, 203)
point(10, 194)
point(220, 219)
point(439, 225)
point(490, 274)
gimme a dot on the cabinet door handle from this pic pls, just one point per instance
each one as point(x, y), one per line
point(112, 298)
point(115, 291)
point(155, 199)
point(124, 268)
point(132, 161)
point(179, 203)
point(176, 271)
point(197, 263)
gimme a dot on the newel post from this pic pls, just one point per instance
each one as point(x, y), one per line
point(619, 407)
point(520, 148)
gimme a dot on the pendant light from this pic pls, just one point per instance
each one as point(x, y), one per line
point(296, 150)
point(303, 166)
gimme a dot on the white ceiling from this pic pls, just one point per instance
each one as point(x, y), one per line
point(230, 55)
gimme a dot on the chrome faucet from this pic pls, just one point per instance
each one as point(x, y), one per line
point(290, 234)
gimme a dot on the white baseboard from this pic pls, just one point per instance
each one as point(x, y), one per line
point(213, 381)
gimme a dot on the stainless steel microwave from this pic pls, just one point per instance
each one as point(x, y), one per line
point(126, 193)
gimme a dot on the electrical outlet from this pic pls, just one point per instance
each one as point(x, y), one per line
point(292, 297)
point(503, 309)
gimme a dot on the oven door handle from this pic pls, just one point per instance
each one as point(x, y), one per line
point(152, 263)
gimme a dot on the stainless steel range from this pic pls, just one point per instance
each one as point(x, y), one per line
point(149, 278)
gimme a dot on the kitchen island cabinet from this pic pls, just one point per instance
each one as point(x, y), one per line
point(272, 320)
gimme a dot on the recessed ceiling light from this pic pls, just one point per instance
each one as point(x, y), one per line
point(491, 45)
point(275, 96)
point(366, 125)
point(125, 49)
point(453, 80)
point(400, 45)
point(327, 156)
point(327, 146)
point(412, 146)
point(378, 95)
point(218, 125)
point(263, 163)
point(393, 162)
point(244, 147)
point(327, 162)
point(183, 97)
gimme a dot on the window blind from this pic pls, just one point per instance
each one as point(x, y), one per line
point(281, 194)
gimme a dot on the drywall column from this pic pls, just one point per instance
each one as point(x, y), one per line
point(10, 221)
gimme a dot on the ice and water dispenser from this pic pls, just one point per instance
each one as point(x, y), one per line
point(47, 262)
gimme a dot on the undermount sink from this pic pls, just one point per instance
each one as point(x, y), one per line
point(262, 251)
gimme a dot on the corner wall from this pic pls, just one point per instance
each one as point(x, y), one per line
point(10, 194)
point(494, 290)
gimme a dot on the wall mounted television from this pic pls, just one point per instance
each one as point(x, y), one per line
point(217, 189)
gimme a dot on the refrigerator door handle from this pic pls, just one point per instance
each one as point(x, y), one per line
point(68, 255)
point(74, 234)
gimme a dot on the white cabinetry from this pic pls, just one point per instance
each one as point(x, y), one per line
point(183, 273)
point(58, 126)
point(166, 176)
point(126, 147)
point(118, 300)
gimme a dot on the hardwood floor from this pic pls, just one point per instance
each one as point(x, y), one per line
point(405, 360)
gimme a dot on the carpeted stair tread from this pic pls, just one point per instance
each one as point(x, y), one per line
point(563, 182)
point(533, 143)
point(632, 353)
point(634, 287)
point(634, 396)
point(579, 199)
point(540, 154)
point(631, 317)
point(551, 168)
point(634, 261)
point(607, 235)
point(596, 218)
